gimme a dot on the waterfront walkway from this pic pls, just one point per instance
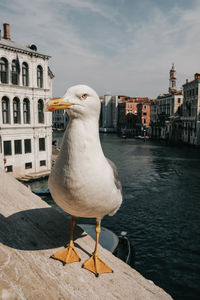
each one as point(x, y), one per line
point(33, 176)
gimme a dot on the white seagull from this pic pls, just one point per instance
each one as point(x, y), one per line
point(83, 182)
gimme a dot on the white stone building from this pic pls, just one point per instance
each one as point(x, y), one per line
point(191, 111)
point(109, 113)
point(166, 110)
point(59, 119)
point(168, 106)
point(25, 86)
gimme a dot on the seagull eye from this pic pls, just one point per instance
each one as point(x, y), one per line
point(84, 96)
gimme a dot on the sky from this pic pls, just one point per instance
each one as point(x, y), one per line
point(124, 47)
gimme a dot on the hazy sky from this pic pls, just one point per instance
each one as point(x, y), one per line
point(117, 46)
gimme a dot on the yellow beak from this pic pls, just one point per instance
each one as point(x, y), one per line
point(56, 103)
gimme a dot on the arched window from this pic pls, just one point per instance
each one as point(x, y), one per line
point(3, 70)
point(25, 74)
point(16, 111)
point(26, 111)
point(39, 77)
point(40, 111)
point(15, 72)
point(5, 110)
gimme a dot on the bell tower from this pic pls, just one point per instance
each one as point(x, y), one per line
point(172, 80)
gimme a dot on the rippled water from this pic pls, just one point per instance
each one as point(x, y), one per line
point(160, 210)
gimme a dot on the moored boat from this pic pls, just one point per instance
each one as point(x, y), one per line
point(42, 192)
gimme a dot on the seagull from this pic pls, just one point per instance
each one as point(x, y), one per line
point(83, 182)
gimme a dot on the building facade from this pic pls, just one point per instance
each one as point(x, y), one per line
point(109, 113)
point(144, 115)
point(133, 115)
point(166, 112)
point(191, 111)
point(25, 130)
point(59, 119)
point(168, 107)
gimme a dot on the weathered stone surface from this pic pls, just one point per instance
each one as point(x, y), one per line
point(31, 231)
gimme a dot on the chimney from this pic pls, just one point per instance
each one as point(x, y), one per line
point(6, 28)
point(186, 80)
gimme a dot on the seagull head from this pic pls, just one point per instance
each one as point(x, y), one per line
point(80, 101)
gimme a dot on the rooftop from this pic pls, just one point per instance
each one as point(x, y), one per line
point(196, 79)
point(180, 92)
point(7, 43)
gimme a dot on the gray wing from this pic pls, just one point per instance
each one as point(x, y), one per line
point(116, 176)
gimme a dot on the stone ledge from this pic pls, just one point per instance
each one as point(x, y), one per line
point(30, 231)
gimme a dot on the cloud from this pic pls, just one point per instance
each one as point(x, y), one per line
point(119, 46)
point(90, 6)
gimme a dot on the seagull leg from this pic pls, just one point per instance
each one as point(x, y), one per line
point(94, 263)
point(69, 254)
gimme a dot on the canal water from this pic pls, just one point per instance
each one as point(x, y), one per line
point(160, 210)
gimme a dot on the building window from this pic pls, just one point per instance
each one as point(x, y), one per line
point(27, 145)
point(25, 75)
point(145, 107)
point(26, 111)
point(15, 72)
point(5, 110)
point(40, 111)
point(18, 146)
point(39, 77)
point(144, 113)
point(16, 110)
point(7, 148)
point(9, 168)
point(28, 165)
point(3, 70)
point(179, 100)
point(42, 144)
point(42, 163)
point(144, 121)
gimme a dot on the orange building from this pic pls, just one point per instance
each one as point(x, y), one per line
point(144, 110)
point(133, 114)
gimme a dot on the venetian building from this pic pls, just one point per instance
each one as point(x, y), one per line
point(60, 119)
point(168, 109)
point(191, 111)
point(109, 113)
point(25, 87)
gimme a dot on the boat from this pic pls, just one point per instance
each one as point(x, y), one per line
point(125, 250)
point(42, 192)
point(141, 137)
